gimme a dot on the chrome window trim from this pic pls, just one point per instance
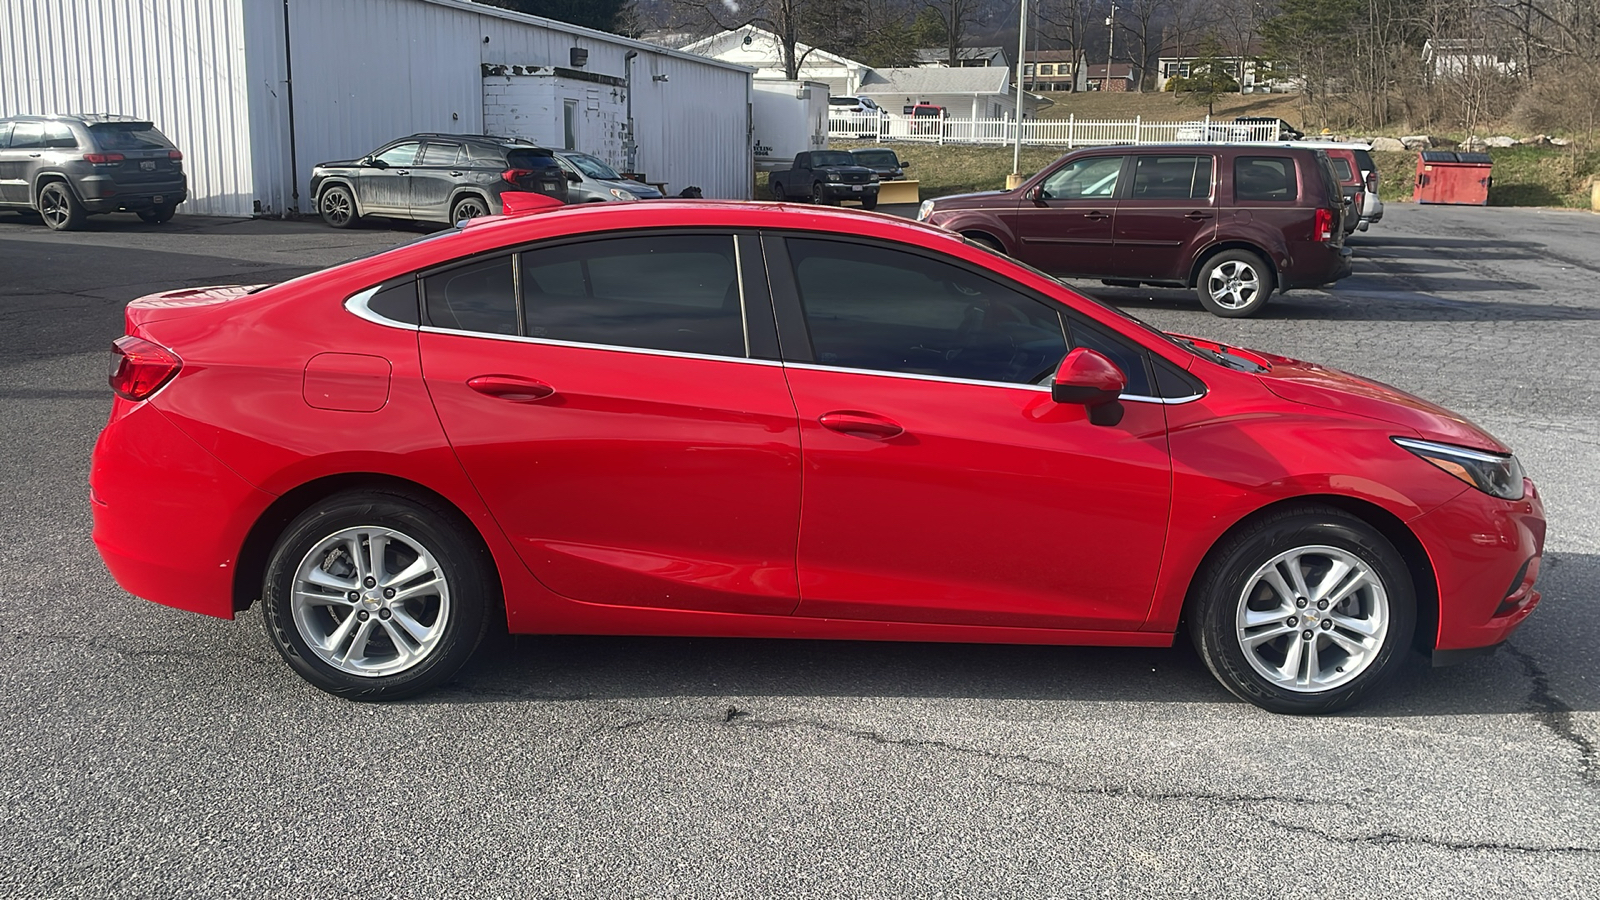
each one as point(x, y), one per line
point(615, 348)
point(1038, 388)
point(357, 305)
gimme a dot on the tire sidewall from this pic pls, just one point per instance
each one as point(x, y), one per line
point(349, 196)
point(466, 569)
point(75, 213)
point(1263, 273)
point(1213, 625)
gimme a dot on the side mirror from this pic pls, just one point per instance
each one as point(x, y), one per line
point(905, 165)
point(574, 177)
point(376, 163)
point(1035, 193)
point(1087, 378)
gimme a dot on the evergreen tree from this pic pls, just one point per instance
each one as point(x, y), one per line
point(615, 16)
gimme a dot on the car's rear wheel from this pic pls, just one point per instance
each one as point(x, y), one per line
point(468, 207)
point(777, 190)
point(338, 207)
point(1234, 284)
point(59, 208)
point(374, 595)
point(158, 215)
point(1305, 611)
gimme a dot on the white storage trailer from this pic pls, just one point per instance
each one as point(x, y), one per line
point(788, 117)
point(255, 93)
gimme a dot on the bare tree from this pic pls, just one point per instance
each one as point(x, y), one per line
point(957, 16)
point(795, 22)
point(1140, 21)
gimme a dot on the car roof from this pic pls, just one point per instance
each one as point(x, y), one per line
point(500, 140)
point(85, 118)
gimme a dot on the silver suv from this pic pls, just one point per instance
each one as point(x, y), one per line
point(67, 168)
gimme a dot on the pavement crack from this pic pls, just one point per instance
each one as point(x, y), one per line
point(1386, 838)
point(1554, 714)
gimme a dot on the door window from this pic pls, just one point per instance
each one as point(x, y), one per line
point(1084, 179)
point(5, 134)
point(677, 293)
point(1263, 178)
point(27, 136)
point(57, 136)
point(868, 307)
point(399, 154)
point(439, 154)
point(1171, 178)
point(479, 296)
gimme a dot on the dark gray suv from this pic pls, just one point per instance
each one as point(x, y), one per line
point(67, 168)
point(434, 178)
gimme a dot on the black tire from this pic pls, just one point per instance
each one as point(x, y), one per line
point(869, 202)
point(337, 205)
point(453, 618)
point(1234, 587)
point(819, 195)
point(777, 190)
point(470, 206)
point(1234, 284)
point(59, 208)
point(158, 215)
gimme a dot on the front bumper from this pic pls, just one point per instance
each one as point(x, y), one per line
point(850, 191)
point(1485, 554)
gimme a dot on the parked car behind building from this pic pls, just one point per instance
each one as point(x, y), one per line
point(434, 178)
point(67, 168)
point(1233, 221)
point(590, 180)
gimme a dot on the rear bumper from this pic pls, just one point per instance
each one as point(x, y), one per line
point(1486, 554)
point(158, 543)
point(103, 194)
point(1315, 264)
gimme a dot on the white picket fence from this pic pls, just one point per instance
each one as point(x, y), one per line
point(1068, 132)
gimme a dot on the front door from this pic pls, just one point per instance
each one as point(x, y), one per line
point(942, 483)
point(1165, 216)
point(18, 157)
point(1066, 227)
point(434, 177)
point(618, 429)
point(383, 185)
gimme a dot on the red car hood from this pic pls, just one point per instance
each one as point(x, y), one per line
point(1325, 388)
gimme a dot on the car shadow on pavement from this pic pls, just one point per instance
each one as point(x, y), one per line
point(1540, 671)
point(1368, 297)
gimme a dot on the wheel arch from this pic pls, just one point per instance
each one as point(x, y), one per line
point(257, 547)
point(1423, 579)
point(1223, 247)
point(339, 181)
point(48, 177)
point(980, 235)
point(461, 193)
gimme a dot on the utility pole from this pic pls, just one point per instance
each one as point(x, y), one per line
point(1111, 45)
point(1022, 53)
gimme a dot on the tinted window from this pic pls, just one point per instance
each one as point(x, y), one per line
point(439, 154)
point(5, 134)
point(1171, 178)
point(873, 308)
point(1084, 179)
point(678, 293)
point(59, 136)
point(1264, 178)
point(832, 158)
point(397, 302)
point(531, 159)
point(592, 167)
point(128, 136)
point(1364, 160)
point(487, 155)
point(27, 135)
point(876, 158)
point(1129, 358)
point(474, 297)
point(1341, 167)
point(399, 154)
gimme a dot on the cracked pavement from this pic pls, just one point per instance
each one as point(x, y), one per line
point(154, 753)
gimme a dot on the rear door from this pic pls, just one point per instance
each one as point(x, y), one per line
point(1167, 214)
point(630, 428)
point(1067, 227)
point(434, 177)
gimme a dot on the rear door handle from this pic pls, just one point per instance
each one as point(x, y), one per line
point(514, 388)
point(861, 425)
point(1096, 215)
point(1197, 215)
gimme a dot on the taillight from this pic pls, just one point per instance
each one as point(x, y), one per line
point(139, 368)
point(512, 175)
point(104, 159)
point(1322, 230)
point(175, 154)
point(1372, 182)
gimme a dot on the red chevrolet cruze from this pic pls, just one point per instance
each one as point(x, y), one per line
point(760, 420)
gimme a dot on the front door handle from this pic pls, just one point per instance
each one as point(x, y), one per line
point(514, 388)
point(861, 425)
point(1197, 215)
point(1096, 215)
point(457, 174)
point(402, 171)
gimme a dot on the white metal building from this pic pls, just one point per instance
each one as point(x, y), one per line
point(256, 92)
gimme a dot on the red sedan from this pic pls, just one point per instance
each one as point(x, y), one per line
point(758, 420)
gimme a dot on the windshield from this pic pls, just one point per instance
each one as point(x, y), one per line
point(592, 167)
point(876, 158)
point(836, 158)
point(128, 136)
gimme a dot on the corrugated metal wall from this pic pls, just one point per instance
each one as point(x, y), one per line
point(178, 63)
point(367, 71)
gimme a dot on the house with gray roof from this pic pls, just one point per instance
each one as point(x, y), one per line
point(981, 92)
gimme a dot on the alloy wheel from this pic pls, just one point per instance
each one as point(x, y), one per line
point(1312, 618)
point(1234, 284)
point(53, 206)
point(370, 601)
point(336, 207)
point(469, 209)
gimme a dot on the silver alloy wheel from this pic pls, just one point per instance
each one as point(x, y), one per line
point(370, 601)
point(469, 208)
point(1312, 618)
point(336, 207)
point(54, 205)
point(1233, 284)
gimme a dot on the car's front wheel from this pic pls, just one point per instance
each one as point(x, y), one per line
point(819, 195)
point(59, 208)
point(1234, 284)
point(777, 191)
point(338, 207)
point(1306, 610)
point(375, 595)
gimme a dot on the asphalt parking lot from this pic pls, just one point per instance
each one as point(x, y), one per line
point(154, 753)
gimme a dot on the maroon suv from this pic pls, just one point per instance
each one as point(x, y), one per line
point(1232, 221)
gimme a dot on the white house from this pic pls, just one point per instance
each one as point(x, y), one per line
point(965, 56)
point(1454, 57)
point(256, 92)
point(1253, 73)
point(761, 50)
point(976, 93)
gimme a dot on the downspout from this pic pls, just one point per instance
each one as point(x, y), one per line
point(288, 80)
point(630, 147)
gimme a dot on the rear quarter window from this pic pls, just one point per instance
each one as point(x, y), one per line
point(1264, 178)
point(1365, 162)
point(1341, 168)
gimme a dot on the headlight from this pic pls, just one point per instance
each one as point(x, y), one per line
point(1495, 475)
point(834, 176)
point(873, 177)
point(621, 194)
point(925, 210)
